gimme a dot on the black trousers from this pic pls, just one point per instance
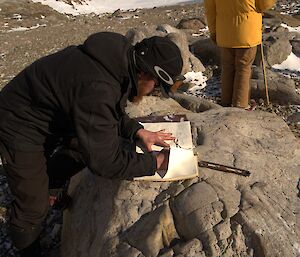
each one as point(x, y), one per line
point(30, 175)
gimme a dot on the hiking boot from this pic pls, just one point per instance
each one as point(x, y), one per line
point(33, 250)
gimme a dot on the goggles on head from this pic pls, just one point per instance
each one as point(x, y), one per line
point(168, 84)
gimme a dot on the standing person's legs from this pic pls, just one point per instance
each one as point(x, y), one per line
point(243, 62)
point(28, 181)
point(227, 75)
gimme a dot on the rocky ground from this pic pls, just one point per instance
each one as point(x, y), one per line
point(30, 30)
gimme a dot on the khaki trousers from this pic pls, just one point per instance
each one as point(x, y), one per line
point(236, 73)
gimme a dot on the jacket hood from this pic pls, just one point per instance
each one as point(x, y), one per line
point(111, 51)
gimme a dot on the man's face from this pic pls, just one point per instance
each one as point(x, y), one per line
point(146, 84)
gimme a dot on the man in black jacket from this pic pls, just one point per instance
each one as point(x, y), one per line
point(79, 92)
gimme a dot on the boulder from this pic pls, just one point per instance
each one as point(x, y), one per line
point(294, 118)
point(217, 214)
point(296, 47)
point(195, 104)
point(207, 51)
point(190, 62)
point(282, 18)
point(281, 89)
point(194, 24)
point(277, 50)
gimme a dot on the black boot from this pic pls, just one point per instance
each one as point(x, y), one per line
point(26, 240)
point(33, 250)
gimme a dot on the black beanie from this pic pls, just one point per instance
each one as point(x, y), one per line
point(160, 57)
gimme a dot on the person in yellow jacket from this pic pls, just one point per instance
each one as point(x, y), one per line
point(236, 27)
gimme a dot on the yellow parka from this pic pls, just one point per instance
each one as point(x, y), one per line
point(236, 23)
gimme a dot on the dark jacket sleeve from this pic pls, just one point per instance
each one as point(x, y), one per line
point(97, 126)
point(129, 127)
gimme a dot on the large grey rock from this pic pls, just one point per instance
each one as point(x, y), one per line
point(195, 104)
point(206, 51)
point(136, 35)
point(294, 118)
point(281, 89)
point(194, 24)
point(277, 50)
point(282, 18)
point(296, 47)
point(190, 62)
point(217, 214)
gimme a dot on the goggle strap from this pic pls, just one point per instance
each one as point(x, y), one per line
point(176, 85)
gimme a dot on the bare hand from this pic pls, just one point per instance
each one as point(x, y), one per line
point(149, 138)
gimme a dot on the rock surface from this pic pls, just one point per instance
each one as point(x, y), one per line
point(194, 24)
point(281, 88)
point(278, 50)
point(29, 31)
point(213, 215)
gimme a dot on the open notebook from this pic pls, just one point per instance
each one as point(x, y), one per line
point(182, 161)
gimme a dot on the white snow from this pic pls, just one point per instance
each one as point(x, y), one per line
point(103, 6)
point(26, 28)
point(291, 29)
point(291, 63)
point(196, 79)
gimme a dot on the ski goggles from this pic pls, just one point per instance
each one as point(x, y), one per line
point(168, 84)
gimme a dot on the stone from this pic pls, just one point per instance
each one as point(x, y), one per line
point(287, 19)
point(230, 215)
point(277, 50)
point(194, 214)
point(194, 24)
point(195, 104)
point(190, 62)
point(153, 232)
point(296, 47)
point(207, 51)
point(281, 89)
point(294, 118)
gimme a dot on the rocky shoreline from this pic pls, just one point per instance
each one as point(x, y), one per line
point(29, 31)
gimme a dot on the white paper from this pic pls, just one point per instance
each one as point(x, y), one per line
point(182, 161)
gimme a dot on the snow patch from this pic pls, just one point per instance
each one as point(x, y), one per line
point(26, 28)
point(103, 6)
point(291, 29)
point(196, 79)
point(291, 63)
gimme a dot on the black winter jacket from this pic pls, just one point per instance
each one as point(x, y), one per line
point(82, 90)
